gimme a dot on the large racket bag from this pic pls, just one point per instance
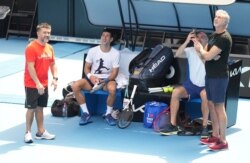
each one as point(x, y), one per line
point(150, 67)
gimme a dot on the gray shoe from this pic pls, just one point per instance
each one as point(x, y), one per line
point(169, 130)
point(204, 133)
point(46, 135)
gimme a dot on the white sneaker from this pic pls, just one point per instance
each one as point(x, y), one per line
point(28, 138)
point(46, 135)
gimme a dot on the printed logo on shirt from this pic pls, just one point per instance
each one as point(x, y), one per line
point(45, 55)
point(101, 67)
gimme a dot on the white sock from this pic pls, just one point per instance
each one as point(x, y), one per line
point(84, 108)
point(109, 110)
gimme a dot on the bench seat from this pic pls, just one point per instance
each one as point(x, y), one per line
point(96, 102)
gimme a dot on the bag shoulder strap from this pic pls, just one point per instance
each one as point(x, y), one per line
point(154, 52)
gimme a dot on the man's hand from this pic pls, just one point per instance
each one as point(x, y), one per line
point(190, 36)
point(40, 89)
point(94, 79)
point(54, 83)
point(197, 45)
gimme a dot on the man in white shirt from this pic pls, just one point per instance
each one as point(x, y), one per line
point(101, 65)
point(193, 87)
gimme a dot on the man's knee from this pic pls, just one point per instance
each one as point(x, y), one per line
point(111, 87)
point(203, 95)
point(78, 85)
point(178, 92)
point(75, 87)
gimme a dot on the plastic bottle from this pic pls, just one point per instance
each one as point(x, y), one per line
point(65, 110)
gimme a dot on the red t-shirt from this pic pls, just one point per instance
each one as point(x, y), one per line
point(43, 57)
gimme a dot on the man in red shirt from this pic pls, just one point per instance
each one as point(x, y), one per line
point(39, 58)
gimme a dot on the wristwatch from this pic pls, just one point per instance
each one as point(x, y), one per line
point(55, 78)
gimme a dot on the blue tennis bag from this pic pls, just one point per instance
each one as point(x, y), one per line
point(152, 110)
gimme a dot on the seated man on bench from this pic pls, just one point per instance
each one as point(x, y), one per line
point(101, 65)
point(192, 88)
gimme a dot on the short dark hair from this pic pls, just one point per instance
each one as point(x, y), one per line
point(109, 31)
point(43, 25)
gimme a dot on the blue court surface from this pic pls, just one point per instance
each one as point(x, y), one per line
point(95, 142)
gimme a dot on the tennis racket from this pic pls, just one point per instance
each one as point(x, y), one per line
point(97, 86)
point(127, 113)
point(162, 120)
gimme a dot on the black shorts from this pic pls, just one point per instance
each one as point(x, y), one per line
point(33, 99)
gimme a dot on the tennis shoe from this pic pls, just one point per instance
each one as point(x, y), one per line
point(110, 120)
point(219, 145)
point(28, 138)
point(45, 135)
point(169, 130)
point(85, 119)
point(209, 140)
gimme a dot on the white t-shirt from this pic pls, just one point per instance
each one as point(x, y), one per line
point(102, 62)
point(196, 67)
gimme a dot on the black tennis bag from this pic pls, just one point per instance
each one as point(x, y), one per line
point(150, 68)
point(73, 108)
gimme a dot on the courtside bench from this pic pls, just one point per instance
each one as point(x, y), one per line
point(96, 102)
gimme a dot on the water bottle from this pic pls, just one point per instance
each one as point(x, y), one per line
point(65, 110)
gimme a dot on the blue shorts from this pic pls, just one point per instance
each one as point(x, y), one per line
point(216, 89)
point(193, 90)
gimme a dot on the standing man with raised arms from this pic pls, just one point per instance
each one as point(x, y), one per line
point(216, 55)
